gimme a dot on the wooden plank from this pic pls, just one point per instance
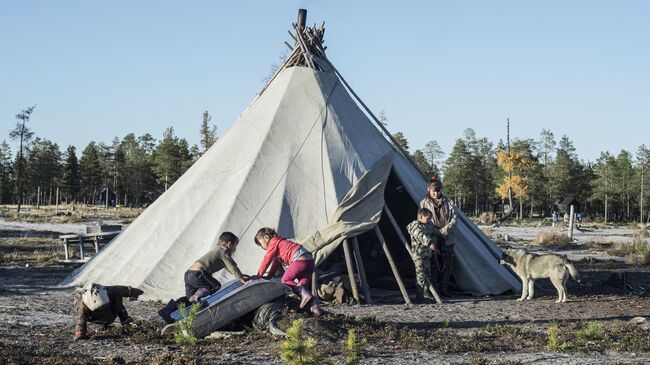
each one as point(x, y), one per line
point(408, 248)
point(393, 267)
point(362, 271)
point(348, 263)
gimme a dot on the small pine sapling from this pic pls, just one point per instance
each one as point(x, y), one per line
point(299, 349)
point(554, 339)
point(184, 336)
point(352, 348)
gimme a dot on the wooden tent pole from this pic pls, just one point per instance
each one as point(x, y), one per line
point(393, 267)
point(348, 263)
point(314, 283)
point(408, 248)
point(362, 271)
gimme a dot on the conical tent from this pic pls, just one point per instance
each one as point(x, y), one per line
point(303, 158)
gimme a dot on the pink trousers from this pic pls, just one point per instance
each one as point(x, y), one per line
point(299, 270)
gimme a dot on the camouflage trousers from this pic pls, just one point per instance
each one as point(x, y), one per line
point(422, 270)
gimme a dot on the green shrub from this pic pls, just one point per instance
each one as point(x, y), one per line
point(594, 331)
point(184, 335)
point(298, 349)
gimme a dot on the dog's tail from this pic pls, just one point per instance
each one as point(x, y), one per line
point(572, 270)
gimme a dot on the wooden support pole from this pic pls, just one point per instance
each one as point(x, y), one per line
point(393, 267)
point(65, 247)
point(57, 199)
point(362, 271)
point(571, 222)
point(81, 247)
point(348, 263)
point(314, 283)
point(408, 248)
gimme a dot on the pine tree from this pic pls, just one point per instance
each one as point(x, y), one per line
point(604, 183)
point(421, 161)
point(643, 163)
point(44, 168)
point(402, 141)
point(434, 154)
point(23, 134)
point(71, 174)
point(208, 135)
point(90, 172)
point(5, 173)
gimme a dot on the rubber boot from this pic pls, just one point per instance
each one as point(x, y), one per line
point(427, 294)
point(419, 294)
point(305, 296)
point(315, 308)
point(167, 311)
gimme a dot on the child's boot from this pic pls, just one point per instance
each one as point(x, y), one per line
point(315, 308)
point(200, 293)
point(305, 296)
point(167, 311)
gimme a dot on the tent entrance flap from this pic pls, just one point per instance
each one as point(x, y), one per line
point(378, 271)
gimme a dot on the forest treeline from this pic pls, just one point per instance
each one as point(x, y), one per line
point(478, 174)
point(134, 169)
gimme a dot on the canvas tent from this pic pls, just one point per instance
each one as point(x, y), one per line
point(304, 158)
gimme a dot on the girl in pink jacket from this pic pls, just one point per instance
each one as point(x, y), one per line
point(300, 261)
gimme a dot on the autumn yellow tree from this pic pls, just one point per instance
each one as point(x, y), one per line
point(514, 184)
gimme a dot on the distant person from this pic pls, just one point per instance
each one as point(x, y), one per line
point(300, 264)
point(102, 305)
point(554, 218)
point(424, 238)
point(199, 282)
point(444, 219)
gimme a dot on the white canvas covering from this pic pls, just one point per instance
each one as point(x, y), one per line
point(287, 162)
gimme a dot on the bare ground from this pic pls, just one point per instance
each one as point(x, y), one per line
point(37, 320)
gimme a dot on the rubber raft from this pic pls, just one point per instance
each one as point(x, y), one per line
point(232, 301)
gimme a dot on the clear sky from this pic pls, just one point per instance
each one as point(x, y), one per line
point(97, 70)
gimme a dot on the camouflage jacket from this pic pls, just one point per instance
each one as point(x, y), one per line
point(449, 211)
point(422, 236)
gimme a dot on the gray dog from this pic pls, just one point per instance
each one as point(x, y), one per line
point(530, 266)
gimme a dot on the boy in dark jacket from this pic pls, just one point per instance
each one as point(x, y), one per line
point(102, 304)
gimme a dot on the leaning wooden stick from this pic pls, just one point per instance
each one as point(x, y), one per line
point(362, 271)
point(348, 263)
point(393, 267)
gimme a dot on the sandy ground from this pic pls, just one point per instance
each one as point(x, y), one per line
point(37, 320)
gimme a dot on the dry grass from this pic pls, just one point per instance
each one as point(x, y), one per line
point(69, 214)
point(487, 218)
point(642, 233)
point(548, 238)
point(636, 253)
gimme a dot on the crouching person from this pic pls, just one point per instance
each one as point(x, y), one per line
point(199, 282)
point(301, 264)
point(101, 305)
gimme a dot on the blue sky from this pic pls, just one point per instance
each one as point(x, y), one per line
point(97, 70)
